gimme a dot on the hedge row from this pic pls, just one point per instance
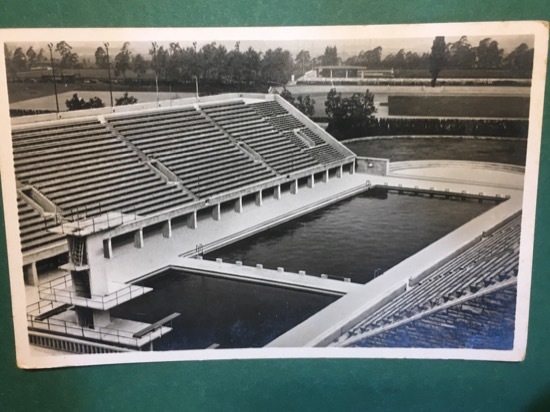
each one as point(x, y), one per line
point(430, 126)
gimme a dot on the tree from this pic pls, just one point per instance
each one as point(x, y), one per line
point(101, 58)
point(76, 103)
point(123, 60)
point(252, 65)
point(139, 66)
point(125, 100)
point(349, 116)
point(303, 60)
point(8, 59)
point(489, 55)
point(437, 58)
point(460, 54)
point(306, 105)
point(520, 60)
point(42, 58)
point(330, 58)
point(19, 60)
point(31, 57)
point(69, 59)
point(277, 66)
point(235, 63)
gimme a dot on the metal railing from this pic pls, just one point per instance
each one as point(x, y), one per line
point(102, 334)
point(61, 289)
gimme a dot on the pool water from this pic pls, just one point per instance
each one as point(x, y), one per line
point(230, 313)
point(355, 238)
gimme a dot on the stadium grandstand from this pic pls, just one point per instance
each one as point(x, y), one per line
point(109, 196)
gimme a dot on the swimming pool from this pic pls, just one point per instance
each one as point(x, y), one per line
point(355, 238)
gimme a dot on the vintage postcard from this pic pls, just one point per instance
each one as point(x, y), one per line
point(223, 193)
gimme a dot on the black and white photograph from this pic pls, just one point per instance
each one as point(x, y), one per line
point(353, 191)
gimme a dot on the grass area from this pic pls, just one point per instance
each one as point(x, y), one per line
point(460, 106)
point(482, 150)
point(20, 91)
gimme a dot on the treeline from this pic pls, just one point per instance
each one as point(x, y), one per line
point(431, 127)
point(28, 112)
point(165, 64)
point(212, 62)
point(460, 55)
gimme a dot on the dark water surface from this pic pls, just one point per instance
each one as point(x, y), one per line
point(230, 313)
point(355, 237)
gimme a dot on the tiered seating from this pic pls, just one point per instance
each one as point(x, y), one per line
point(286, 122)
point(83, 168)
point(243, 123)
point(492, 260)
point(193, 148)
point(484, 322)
point(281, 120)
point(269, 108)
point(325, 153)
point(32, 226)
point(313, 136)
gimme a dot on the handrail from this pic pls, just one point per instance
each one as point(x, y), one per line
point(59, 288)
point(101, 333)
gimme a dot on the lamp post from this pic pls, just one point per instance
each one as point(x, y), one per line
point(154, 44)
point(196, 87)
point(109, 71)
point(50, 46)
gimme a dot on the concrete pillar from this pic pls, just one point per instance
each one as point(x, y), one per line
point(352, 168)
point(346, 73)
point(277, 192)
point(192, 220)
point(108, 249)
point(167, 229)
point(102, 318)
point(239, 205)
point(217, 212)
point(339, 171)
point(325, 176)
point(31, 274)
point(311, 181)
point(259, 198)
point(294, 187)
point(331, 73)
point(138, 238)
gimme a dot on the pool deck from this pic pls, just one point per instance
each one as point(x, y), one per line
point(336, 318)
point(279, 278)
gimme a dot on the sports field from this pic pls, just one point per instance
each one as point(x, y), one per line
point(510, 151)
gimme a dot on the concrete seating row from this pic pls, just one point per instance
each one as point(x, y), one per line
point(485, 322)
point(492, 260)
point(32, 227)
point(243, 123)
point(92, 175)
point(193, 148)
point(325, 153)
point(269, 109)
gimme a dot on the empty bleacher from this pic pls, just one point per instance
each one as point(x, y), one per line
point(32, 226)
point(489, 262)
point(193, 148)
point(83, 168)
point(243, 123)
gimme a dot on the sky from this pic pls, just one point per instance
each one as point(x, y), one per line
point(346, 48)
